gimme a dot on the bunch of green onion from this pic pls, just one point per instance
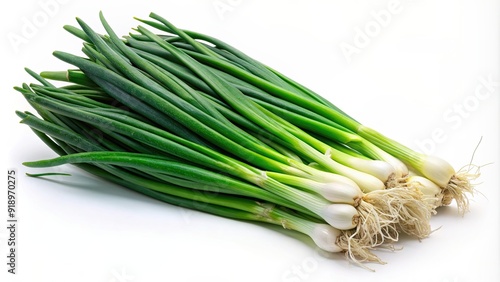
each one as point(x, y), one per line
point(189, 120)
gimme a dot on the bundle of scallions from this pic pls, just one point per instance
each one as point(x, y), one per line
point(173, 112)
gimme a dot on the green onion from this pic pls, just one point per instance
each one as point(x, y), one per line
point(189, 120)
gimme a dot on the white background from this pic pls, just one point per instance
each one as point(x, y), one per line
point(408, 80)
